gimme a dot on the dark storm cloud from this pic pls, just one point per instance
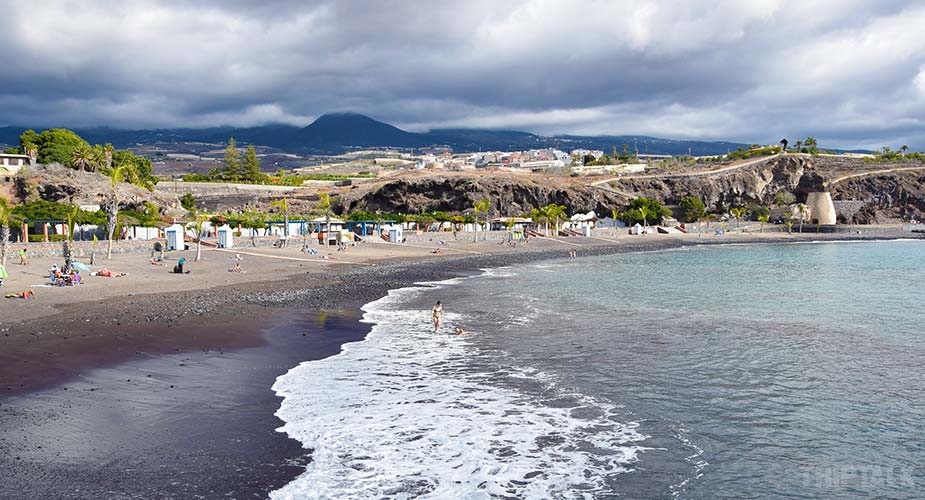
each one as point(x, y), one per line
point(850, 73)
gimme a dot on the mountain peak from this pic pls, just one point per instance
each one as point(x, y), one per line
point(353, 129)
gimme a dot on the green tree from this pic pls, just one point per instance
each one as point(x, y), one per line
point(754, 211)
point(55, 145)
point(251, 169)
point(783, 198)
point(28, 144)
point(231, 164)
point(188, 202)
point(641, 210)
point(135, 169)
point(812, 147)
point(692, 208)
point(763, 219)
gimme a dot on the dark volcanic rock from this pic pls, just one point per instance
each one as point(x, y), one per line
point(509, 195)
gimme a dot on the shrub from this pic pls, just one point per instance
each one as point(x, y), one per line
point(692, 209)
point(38, 238)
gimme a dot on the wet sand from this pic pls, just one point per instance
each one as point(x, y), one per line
point(187, 425)
point(167, 395)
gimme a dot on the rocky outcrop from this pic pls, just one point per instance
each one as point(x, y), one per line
point(881, 198)
point(57, 183)
point(887, 198)
point(509, 195)
point(756, 184)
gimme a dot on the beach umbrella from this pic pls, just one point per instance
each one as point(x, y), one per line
point(81, 266)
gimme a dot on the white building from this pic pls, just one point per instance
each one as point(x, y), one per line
point(10, 163)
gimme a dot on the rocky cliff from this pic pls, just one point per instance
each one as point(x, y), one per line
point(510, 195)
point(878, 198)
point(58, 183)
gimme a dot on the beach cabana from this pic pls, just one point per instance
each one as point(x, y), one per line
point(519, 223)
point(225, 237)
point(578, 221)
point(367, 227)
point(393, 233)
point(175, 235)
point(328, 229)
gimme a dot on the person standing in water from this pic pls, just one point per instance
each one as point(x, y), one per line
point(437, 313)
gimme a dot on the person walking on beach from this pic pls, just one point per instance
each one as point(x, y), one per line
point(437, 313)
point(23, 257)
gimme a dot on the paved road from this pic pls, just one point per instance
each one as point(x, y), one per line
point(873, 172)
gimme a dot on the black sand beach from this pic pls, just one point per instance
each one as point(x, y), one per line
point(176, 403)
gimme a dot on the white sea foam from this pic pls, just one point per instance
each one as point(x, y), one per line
point(406, 414)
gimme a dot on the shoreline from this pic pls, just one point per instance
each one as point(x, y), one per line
point(46, 351)
point(216, 332)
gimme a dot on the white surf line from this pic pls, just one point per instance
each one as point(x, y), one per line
point(284, 257)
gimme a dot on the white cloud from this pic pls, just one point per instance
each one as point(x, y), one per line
point(749, 71)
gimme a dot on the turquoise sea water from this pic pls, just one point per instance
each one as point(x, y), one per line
point(761, 371)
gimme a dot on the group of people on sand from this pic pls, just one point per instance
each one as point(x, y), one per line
point(437, 315)
point(67, 276)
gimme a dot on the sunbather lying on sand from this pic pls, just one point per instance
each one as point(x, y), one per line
point(237, 268)
point(460, 331)
point(28, 294)
point(107, 273)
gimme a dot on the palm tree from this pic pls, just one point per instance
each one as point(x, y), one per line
point(644, 213)
point(799, 146)
point(199, 226)
point(283, 206)
point(481, 207)
point(737, 213)
point(802, 208)
point(538, 215)
point(762, 219)
point(108, 151)
point(6, 218)
point(556, 212)
point(83, 158)
point(112, 206)
point(903, 150)
point(614, 214)
point(324, 206)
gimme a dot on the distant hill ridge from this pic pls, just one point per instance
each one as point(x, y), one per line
point(338, 132)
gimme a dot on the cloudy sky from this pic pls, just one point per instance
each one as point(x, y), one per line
point(851, 73)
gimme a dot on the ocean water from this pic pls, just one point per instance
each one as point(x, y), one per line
point(759, 371)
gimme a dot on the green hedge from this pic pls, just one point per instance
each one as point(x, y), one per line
point(38, 238)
